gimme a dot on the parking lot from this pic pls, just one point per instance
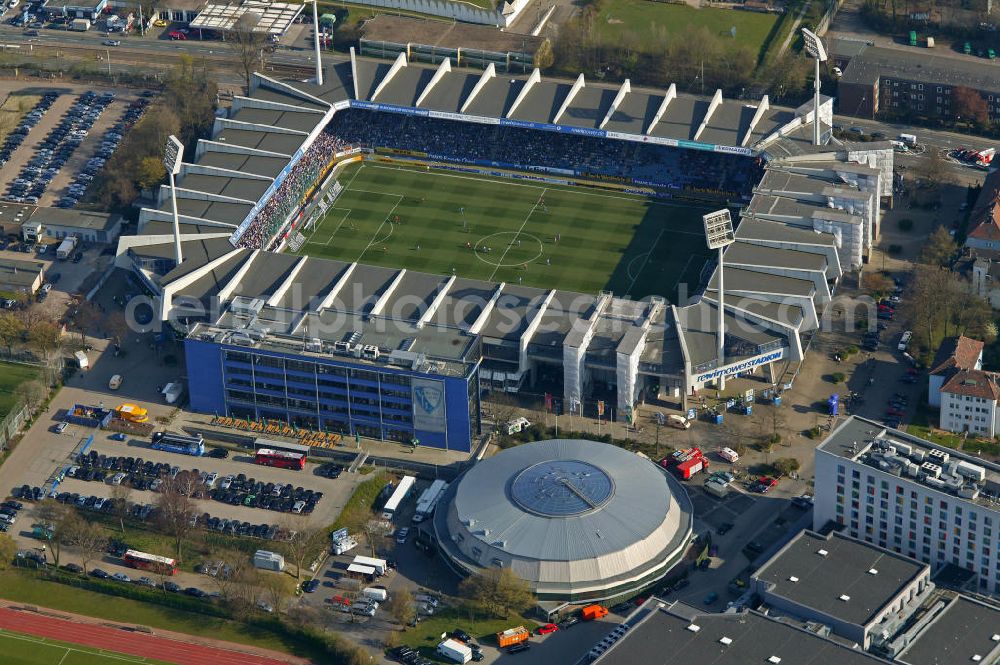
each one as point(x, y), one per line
point(62, 142)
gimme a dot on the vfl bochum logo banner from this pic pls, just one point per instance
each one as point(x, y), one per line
point(428, 405)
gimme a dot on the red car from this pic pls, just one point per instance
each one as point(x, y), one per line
point(894, 412)
point(765, 480)
point(547, 628)
point(176, 35)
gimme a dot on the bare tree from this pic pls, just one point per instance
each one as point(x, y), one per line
point(87, 316)
point(46, 338)
point(307, 542)
point(90, 541)
point(61, 521)
point(11, 330)
point(367, 522)
point(401, 607)
point(33, 393)
point(276, 588)
point(249, 43)
point(175, 509)
point(121, 499)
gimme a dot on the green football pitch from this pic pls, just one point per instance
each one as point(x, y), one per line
point(18, 649)
point(547, 236)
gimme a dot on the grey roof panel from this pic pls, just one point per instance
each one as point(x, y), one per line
point(303, 122)
point(370, 73)
point(728, 124)
point(284, 97)
point(449, 94)
point(266, 274)
point(495, 97)
point(635, 113)
point(844, 571)
point(758, 282)
point(316, 278)
point(682, 118)
point(588, 108)
point(234, 161)
point(406, 86)
point(663, 637)
point(965, 629)
point(743, 253)
point(542, 103)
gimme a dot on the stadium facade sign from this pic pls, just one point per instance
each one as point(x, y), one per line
point(458, 117)
point(741, 366)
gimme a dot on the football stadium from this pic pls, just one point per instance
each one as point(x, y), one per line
point(372, 253)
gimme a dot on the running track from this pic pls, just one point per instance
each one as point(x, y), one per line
point(123, 641)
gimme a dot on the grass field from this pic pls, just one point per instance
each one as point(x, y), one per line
point(18, 649)
point(12, 377)
point(505, 230)
point(648, 19)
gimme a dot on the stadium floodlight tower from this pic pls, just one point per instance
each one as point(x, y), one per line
point(816, 51)
point(319, 59)
point(719, 235)
point(173, 154)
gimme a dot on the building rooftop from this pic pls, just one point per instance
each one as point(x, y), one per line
point(20, 273)
point(904, 455)
point(957, 353)
point(667, 634)
point(446, 35)
point(972, 383)
point(838, 576)
point(965, 629)
point(874, 62)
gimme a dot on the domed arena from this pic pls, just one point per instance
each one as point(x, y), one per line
point(578, 520)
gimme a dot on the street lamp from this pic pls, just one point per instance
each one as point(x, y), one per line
point(319, 59)
point(719, 235)
point(816, 51)
point(173, 153)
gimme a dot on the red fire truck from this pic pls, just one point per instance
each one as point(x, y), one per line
point(686, 463)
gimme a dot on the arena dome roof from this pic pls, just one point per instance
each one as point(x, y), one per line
point(575, 518)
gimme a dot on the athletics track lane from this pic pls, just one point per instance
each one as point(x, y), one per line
point(123, 641)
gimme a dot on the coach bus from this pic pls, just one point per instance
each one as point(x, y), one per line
point(400, 493)
point(158, 564)
point(284, 447)
point(280, 459)
point(179, 443)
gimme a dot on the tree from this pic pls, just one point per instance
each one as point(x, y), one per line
point(939, 248)
point(401, 607)
point(276, 588)
point(62, 520)
point(786, 466)
point(544, 57)
point(116, 326)
point(11, 330)
point(175, 509)
point(932, 169)
point(87, 316)
point(968, 104)
point(877, 282)
point(497, 591)
point(8, 550)
point(248, 44)
point(89, 541)
point(306, 542)
point(363, 520)
point(33, 393)
point(151, 173)
point(46, 338)
point(121, 496)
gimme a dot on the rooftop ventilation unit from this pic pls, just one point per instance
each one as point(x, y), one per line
point(694, 628)
point(315, 345)
point(938, 456)
point(931, 470)
point(774, 659)
point(873, 571)
point(976, 658)
point(996, 637)
point(822, 552)
point(725, 640)
point(355, 337)
point(971, 471)
point(793, 579)
point(844, 597)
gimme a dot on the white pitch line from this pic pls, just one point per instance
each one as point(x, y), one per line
point(339, 224)
point(643, 266)
point(680, 275)
point(530, 213)
point(375, 235)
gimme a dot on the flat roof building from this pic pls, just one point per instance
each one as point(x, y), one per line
point(21, 276)
point(911, 496)
point(841, 582)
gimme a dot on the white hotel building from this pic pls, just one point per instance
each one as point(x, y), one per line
point(913, 497)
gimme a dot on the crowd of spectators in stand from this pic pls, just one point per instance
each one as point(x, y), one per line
point(261, 232)
point(653, 165)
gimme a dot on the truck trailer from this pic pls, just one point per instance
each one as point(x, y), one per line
point(455, 651)
point(66, 247)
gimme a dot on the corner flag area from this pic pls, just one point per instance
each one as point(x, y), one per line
point(515, 231)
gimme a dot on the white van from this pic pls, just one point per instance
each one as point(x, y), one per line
point(517, 425)
point(680, 422)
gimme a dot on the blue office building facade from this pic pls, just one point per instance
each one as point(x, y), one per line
point(334, 393)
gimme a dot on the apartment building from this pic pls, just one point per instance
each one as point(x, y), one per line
point(912, 497)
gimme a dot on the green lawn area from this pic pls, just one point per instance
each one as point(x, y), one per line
point(649, 19)
point(19, 649)
point(12, 377)
point(427, 635)
point(505, 230)
point(364, 497)
point(24, 587)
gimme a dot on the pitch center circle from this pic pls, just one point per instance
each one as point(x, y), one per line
point(497, 249)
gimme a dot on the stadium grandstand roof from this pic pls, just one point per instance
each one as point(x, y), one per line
point(274, 18)
point(231, 176)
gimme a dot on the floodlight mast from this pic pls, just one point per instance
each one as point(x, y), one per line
point(173, 155)
point(816, 51)
point(319, 59)
point(719, 235)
